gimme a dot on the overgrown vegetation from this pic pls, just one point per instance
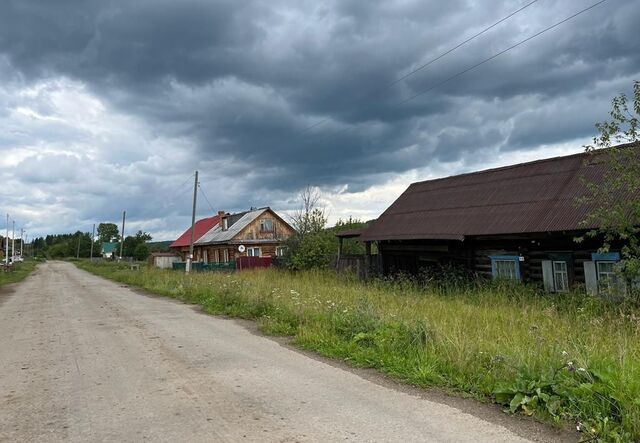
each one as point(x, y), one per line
point(314, 246)
point(615, 198)
point(562, 358)
point(19, 271)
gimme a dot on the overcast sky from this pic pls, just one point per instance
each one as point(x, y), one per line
point(111, 105)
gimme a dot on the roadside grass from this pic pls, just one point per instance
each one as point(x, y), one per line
point(19, 272)
point(564, 358)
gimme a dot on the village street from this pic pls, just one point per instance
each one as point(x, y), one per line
point(85, 359)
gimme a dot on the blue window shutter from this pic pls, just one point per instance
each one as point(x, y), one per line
point(609, 256)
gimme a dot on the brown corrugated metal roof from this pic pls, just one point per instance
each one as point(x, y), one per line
point(538, 196)
point(350, 233)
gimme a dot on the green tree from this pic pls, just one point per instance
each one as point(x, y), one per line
point(132, 245)
point(615, 200)
point(141, 252)
point(108, 232)
point(309, 217)
point(312, 251)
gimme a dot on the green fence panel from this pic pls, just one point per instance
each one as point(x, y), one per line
point(204, 267)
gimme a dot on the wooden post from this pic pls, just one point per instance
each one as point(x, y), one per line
point(340, 239)
point(367, 260)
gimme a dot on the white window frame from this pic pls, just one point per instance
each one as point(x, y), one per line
point(225, 256)
point(606, 280)
point(562, 274)
point(280, 251)
point(251, 252)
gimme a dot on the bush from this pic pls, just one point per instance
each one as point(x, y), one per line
point(313, 250)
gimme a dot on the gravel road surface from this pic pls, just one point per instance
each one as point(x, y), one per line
point(86, 359)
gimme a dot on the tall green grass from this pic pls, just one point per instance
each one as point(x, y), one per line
point(18, 272)
point(564, 358)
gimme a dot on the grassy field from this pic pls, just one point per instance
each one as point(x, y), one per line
point(564, 359)
point(20, 272)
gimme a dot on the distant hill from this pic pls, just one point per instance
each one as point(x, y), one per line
point(159, 246)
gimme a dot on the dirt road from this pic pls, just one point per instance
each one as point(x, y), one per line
point(85, 359)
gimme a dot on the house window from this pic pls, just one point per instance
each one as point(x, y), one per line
point(280, 251)
point(505, 267)
point(225, 255)
point(560, 276)
point(205, 256)
point(266, 225)
point(607, 278)
point(254, 252)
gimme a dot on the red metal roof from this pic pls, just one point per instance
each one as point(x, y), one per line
point(201, 228)
point(538, 196)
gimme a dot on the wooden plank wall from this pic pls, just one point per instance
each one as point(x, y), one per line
point(474, 254)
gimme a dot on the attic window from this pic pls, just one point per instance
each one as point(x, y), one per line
point(266, 225)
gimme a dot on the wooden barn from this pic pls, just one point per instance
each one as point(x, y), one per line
point(517, 222)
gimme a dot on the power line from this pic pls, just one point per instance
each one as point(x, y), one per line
point(206, 199)
point(185, 182)
point(435, 59)
point(179, 192)
point(486, 60)
point(498, 54)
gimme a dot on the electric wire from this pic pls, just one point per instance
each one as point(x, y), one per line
point(435, 59)
point(498, 54)
point(476, 65)
point(179, 192)
point(206, 199)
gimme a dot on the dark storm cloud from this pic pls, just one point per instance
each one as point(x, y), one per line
point(242, 80)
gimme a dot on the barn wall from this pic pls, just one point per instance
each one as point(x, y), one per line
point(473, 254)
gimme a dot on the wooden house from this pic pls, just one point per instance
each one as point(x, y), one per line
point(517, 222)
point(254, 233)
point(181, 245)
point(109, 250)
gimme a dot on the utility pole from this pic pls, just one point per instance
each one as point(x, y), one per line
point(93, 236)
point(124, 215)
point(6, 242)
point(78, 250)
point(193, 225)
point(13, 242)
point(21, 242)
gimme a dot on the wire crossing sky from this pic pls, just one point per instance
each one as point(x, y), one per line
point(107, 106)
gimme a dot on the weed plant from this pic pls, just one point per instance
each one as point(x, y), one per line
point(565, 358)
point(17, 271)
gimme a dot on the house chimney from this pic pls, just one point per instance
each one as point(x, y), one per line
point(224, 222)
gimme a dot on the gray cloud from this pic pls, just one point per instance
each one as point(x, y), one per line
point(231, 86)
